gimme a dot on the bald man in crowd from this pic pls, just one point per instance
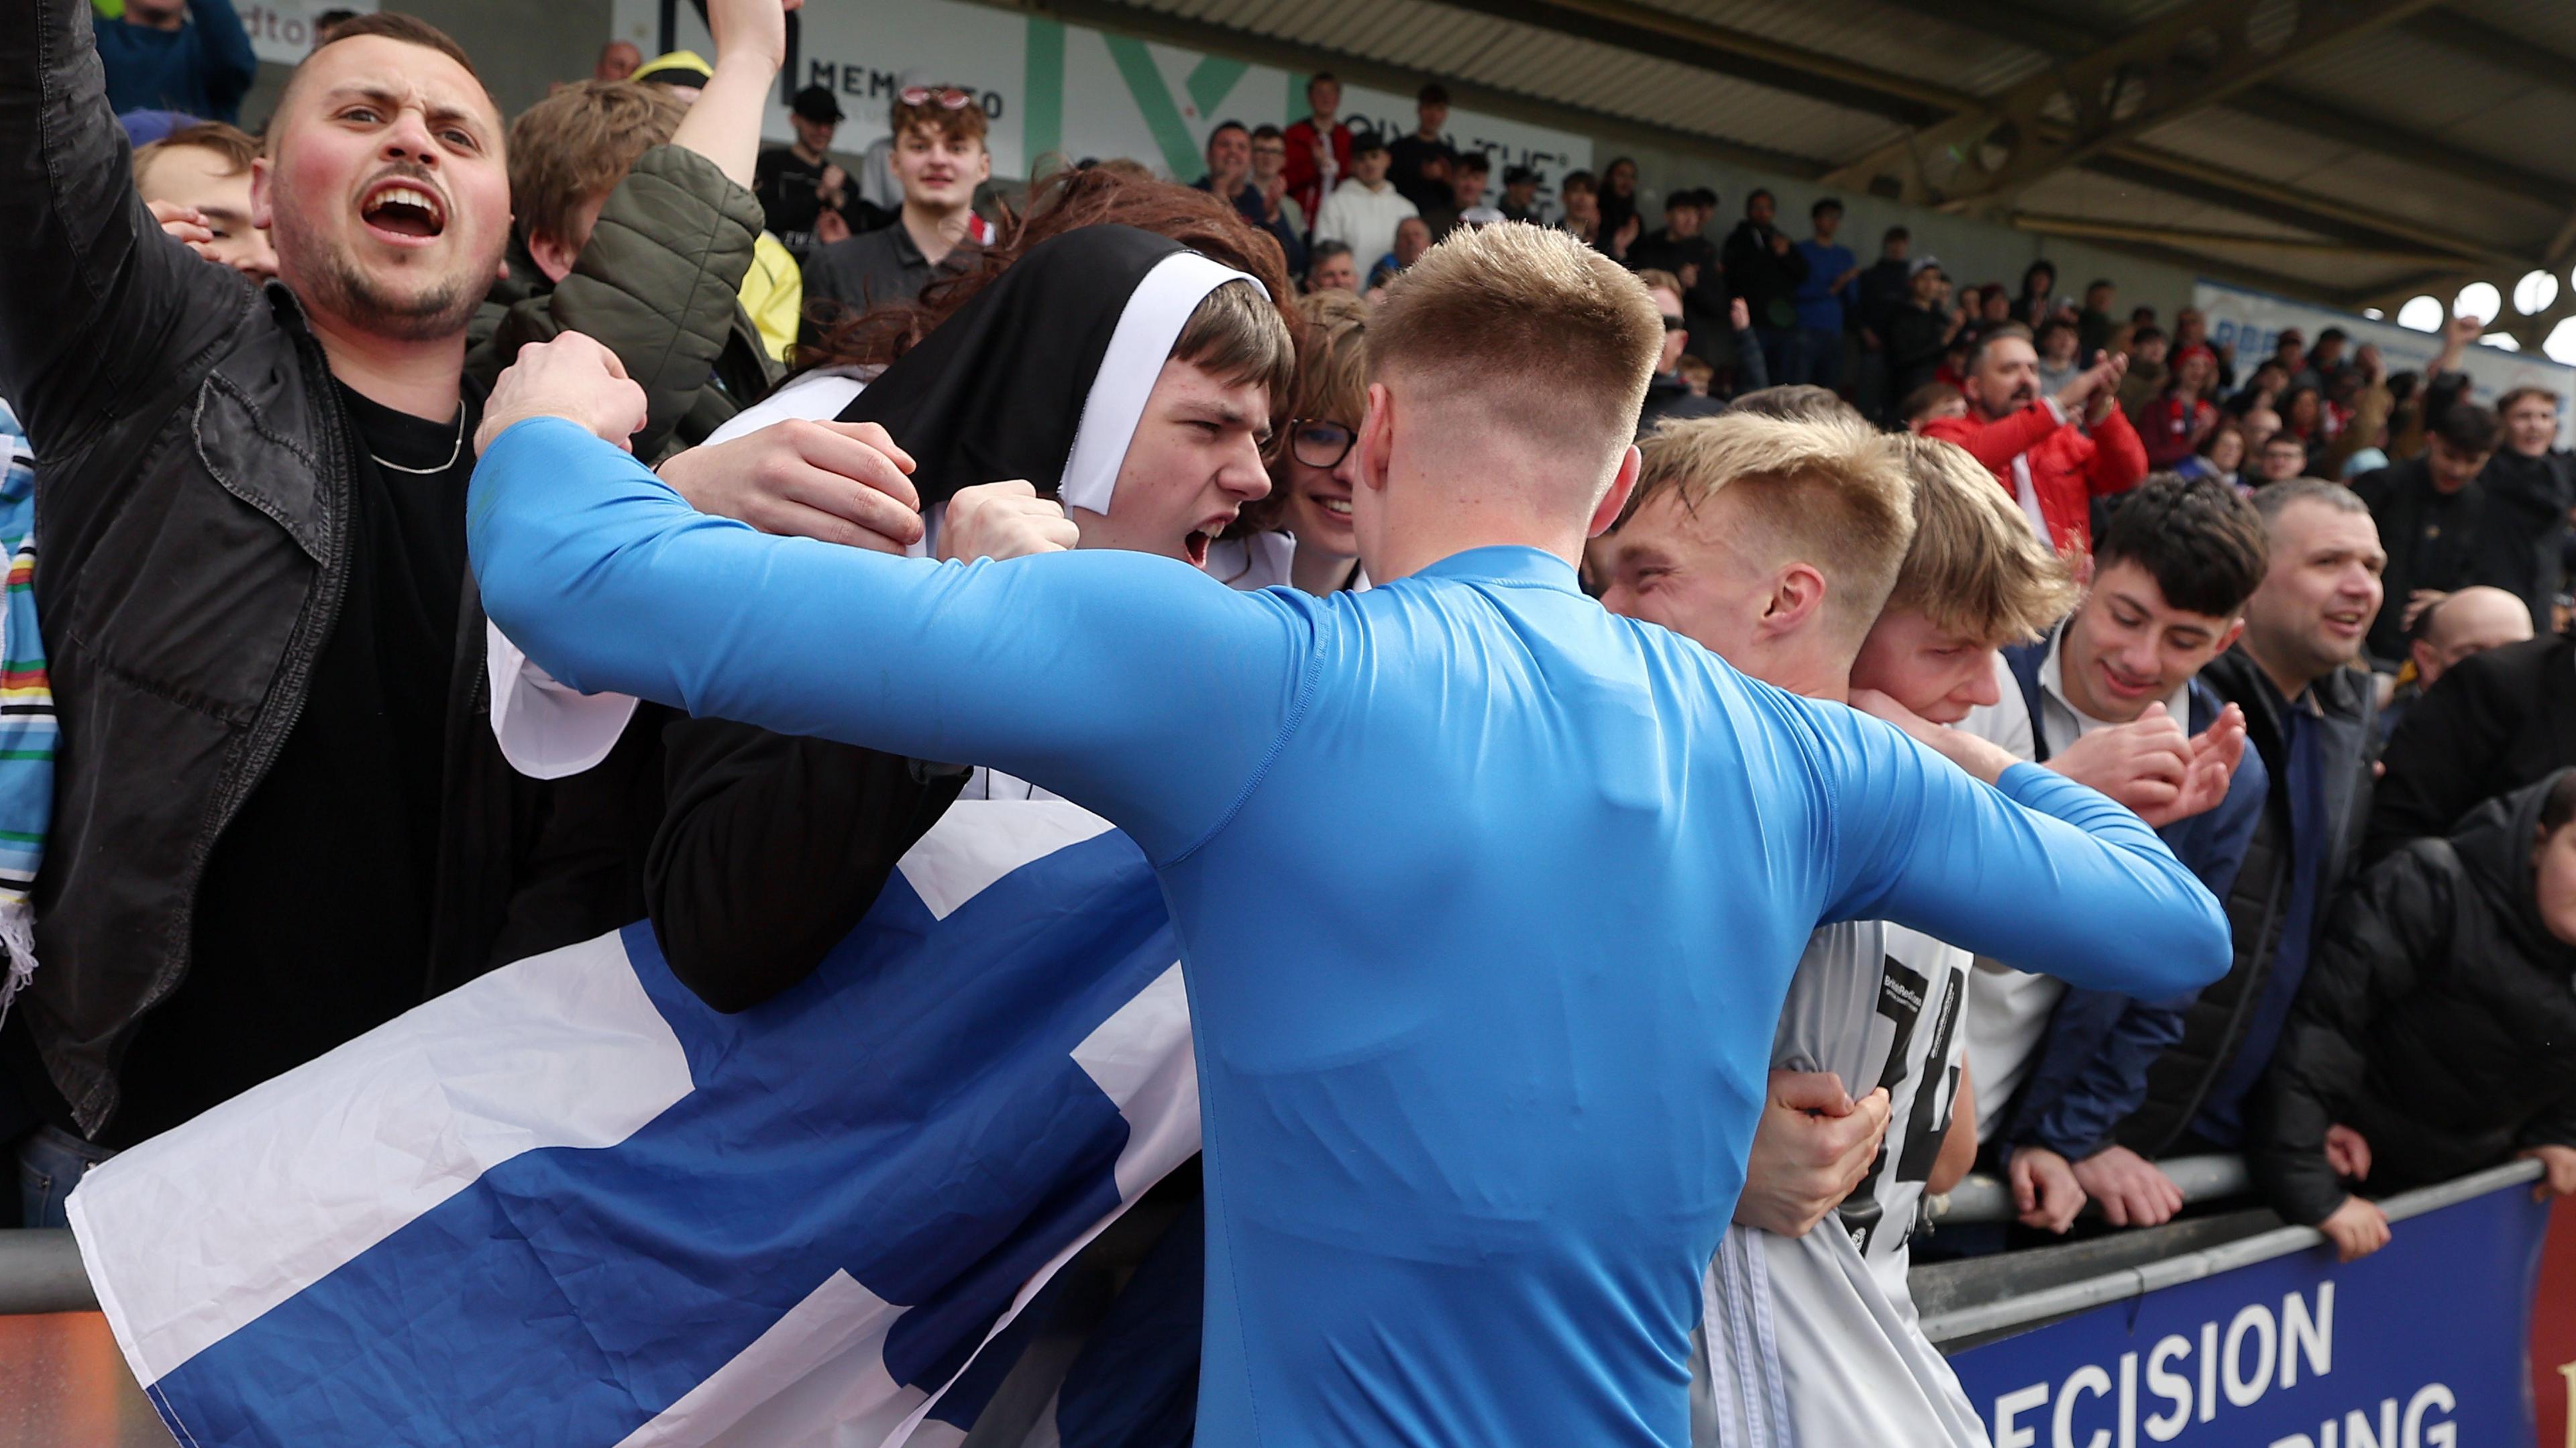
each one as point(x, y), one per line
point(2453, 627)
point(617, 60)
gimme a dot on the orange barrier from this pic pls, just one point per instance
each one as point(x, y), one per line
point(68, 1387)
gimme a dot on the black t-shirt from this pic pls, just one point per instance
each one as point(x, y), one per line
point(313, 919)
point(785, 182)
point(1406, 160)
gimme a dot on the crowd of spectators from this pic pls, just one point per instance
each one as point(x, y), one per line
point(2320, 644)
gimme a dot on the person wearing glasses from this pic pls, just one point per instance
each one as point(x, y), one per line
point(1301, 534)
point(1279, 206)
point(1668, 394)
point(939, 159)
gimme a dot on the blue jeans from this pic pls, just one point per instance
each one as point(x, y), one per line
point(1820, 353)
point(1781, 355)
point(52, 1161)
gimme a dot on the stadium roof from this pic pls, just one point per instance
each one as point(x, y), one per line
point(2351, 151)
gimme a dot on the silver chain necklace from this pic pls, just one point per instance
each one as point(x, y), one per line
point(453, 453)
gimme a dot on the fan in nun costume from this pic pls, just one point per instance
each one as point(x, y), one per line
point(1139, 379)
point(771, 848)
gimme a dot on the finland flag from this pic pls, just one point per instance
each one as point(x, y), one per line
point(569, 1204)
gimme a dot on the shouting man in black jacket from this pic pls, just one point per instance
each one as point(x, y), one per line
point(279, 816)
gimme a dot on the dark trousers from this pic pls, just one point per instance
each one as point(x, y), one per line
point(52, 1161)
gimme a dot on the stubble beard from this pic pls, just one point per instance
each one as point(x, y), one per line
point(327, 279)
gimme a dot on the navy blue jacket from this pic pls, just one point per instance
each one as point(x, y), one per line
point(2092, 1068)
point(1248, 203)
point(202, 69)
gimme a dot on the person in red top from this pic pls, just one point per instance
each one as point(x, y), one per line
point(2034, 445)
point(1310, 173)
point(2172, 426)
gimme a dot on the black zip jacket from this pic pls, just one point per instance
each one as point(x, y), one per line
point(193, 473)
point(2438, 1019)
point(2496, 722)
point(2343, 703)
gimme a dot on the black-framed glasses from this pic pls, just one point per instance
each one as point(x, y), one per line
point(948, 96)
point(1675, 324)
point(1320, 444)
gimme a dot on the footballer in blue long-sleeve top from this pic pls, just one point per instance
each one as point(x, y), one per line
point(1481, 1058)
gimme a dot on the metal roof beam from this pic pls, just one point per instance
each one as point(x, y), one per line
point(2218, 268)
point(2028, 25)
point(2191, 57)
point(2186, 238)
point(2439, 282)
point(1649, 31)
point(2478, 40)
point(2365, 134)
point(2066, 39)
point(2258, 196)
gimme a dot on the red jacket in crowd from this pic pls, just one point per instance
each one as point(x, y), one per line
point(2068, 470)
point(1304, 181)
point(2172, 428)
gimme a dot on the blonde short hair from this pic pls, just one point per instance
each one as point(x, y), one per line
point(1556, 340)
point(237, 147)
point(1825, 491)
point(1976, 569)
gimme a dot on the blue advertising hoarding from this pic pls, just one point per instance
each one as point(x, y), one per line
point(2421, 1345)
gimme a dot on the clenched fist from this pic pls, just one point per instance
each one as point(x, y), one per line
point(1005, 520)
point(572, 377)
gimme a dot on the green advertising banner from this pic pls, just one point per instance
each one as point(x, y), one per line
point(1069, 91)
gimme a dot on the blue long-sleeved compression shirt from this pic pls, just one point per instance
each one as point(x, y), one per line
point(1487, 898)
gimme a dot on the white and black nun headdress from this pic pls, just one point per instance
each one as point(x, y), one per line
point(1043, 374)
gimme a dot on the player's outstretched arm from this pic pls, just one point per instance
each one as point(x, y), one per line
point(2019, 864)
point(1134, 685)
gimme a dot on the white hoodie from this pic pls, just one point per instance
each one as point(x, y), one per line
point(1364, 218)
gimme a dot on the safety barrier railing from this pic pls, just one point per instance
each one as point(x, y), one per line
point(1989, 1199)
point(1961, 1302)
point(1967, 1302)
point(40, 1271)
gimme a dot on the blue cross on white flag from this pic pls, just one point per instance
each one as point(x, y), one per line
point(569, 1204)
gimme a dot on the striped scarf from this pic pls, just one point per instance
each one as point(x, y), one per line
point(27, 729)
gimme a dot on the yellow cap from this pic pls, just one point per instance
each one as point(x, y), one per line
point(680, 67)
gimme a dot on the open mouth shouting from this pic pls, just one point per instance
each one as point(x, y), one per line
point(403, 212)
point(1194, 547)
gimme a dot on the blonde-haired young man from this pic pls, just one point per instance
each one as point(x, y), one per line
point(1976, 581)
point(1476, 1094)
point(1790, 539)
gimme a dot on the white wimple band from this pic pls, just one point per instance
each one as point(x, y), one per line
point(1156, 312)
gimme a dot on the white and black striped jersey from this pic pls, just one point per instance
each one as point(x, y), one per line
point(1813, 1340)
